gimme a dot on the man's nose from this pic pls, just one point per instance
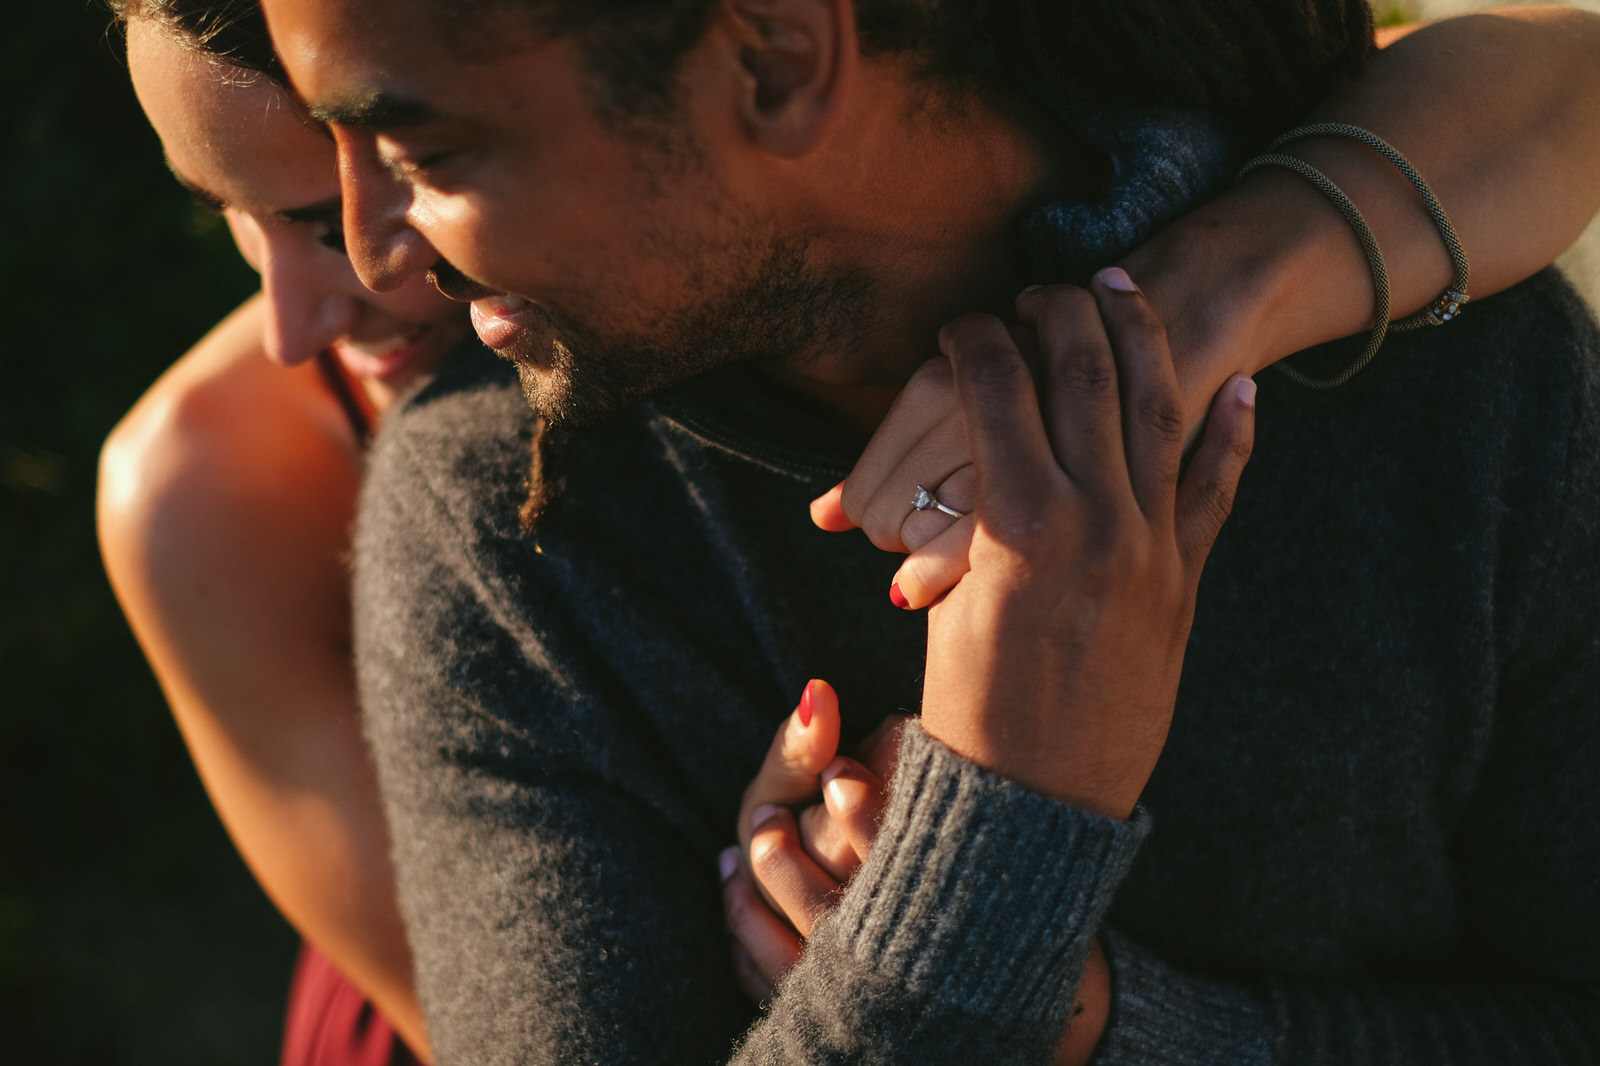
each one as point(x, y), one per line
point(383, 246)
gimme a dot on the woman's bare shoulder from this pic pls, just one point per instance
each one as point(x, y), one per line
point(226, 467)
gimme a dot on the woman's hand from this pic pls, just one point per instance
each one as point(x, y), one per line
point(920, 443)
point(773, 892)
point(787, 869)
point(1055, 661)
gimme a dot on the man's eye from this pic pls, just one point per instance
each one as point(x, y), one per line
point(414, 168)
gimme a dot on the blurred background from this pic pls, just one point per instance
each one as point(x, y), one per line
point(130, 931)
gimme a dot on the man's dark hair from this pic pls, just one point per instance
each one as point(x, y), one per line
point(232, 30)
point(1260, 63)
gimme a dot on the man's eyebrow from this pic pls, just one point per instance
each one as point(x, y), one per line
point(379, 110)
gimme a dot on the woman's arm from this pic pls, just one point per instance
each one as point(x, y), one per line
point(225, 500)
point(1496, 111)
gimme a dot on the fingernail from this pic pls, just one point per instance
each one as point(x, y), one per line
point(764, 814)
point(1245, 389)
point(1030, 288)
point(1116, 278)
point(835, 792)
point(728, 861)
point(898, 598)
point(804, 710)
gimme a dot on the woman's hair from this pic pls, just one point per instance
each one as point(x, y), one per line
point(232, 30)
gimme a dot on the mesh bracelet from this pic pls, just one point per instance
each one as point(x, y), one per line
point(1449, 303)
point(1369, 245)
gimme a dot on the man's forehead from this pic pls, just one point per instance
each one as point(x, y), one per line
point(377, 63)
point(342, 44)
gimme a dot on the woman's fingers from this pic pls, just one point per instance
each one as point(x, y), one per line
point(889, 517)
point(854, 798)
point(880, 751)
point(765, 941)
point(923, 423)
point(799, 889)
point(806, 742)
point(1206, 493)
point(837, 833)
point(827, 511)
point(935, 567)
point(752, 982)
point(958, 492)
point(1152, 413)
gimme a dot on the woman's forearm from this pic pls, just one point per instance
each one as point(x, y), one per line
point(224, 510)
point(1498, 113)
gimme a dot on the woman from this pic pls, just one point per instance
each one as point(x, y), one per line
point(227, 493)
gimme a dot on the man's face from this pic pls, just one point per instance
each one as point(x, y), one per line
point(606, 262)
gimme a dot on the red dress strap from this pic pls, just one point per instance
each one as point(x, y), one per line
point(331, 1022)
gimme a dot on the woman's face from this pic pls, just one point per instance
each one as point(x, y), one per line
point(235, 139)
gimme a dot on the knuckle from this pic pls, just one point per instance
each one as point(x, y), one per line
point(1065, 306)
point(770, 852)
point(1087, 370)
point(1216, 498)
point(853, 500)
point(1240, 447)
point(960, 332)
point(932, 382)
point(995, 368)
point(1160, 412)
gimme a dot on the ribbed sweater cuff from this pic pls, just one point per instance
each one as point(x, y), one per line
point(981, 896)
point(1160, 1015)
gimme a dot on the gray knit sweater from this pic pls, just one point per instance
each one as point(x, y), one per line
point(1374, 835)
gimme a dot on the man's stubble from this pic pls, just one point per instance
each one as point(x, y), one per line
point(750, 292)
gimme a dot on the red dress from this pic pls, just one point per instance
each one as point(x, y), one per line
point(331, 1022)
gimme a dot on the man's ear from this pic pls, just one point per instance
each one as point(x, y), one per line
point(796, 59)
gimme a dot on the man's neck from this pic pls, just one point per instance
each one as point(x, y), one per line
point(929, 209)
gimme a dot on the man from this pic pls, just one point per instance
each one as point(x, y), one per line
point(564, 720)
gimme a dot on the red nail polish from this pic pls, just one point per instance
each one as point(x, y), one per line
point(898, 598)
point(805, 707)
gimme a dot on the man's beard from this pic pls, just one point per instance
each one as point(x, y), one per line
point(784, 311)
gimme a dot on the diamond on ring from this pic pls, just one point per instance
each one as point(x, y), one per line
point(927, 501)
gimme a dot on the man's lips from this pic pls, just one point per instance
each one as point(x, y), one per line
point(500, 319)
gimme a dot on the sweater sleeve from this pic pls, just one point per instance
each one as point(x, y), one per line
point(963, 936)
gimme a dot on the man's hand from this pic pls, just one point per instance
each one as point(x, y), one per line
point(923, 442)
point(1055, 661)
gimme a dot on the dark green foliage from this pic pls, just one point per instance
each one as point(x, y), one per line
point(130, 932)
